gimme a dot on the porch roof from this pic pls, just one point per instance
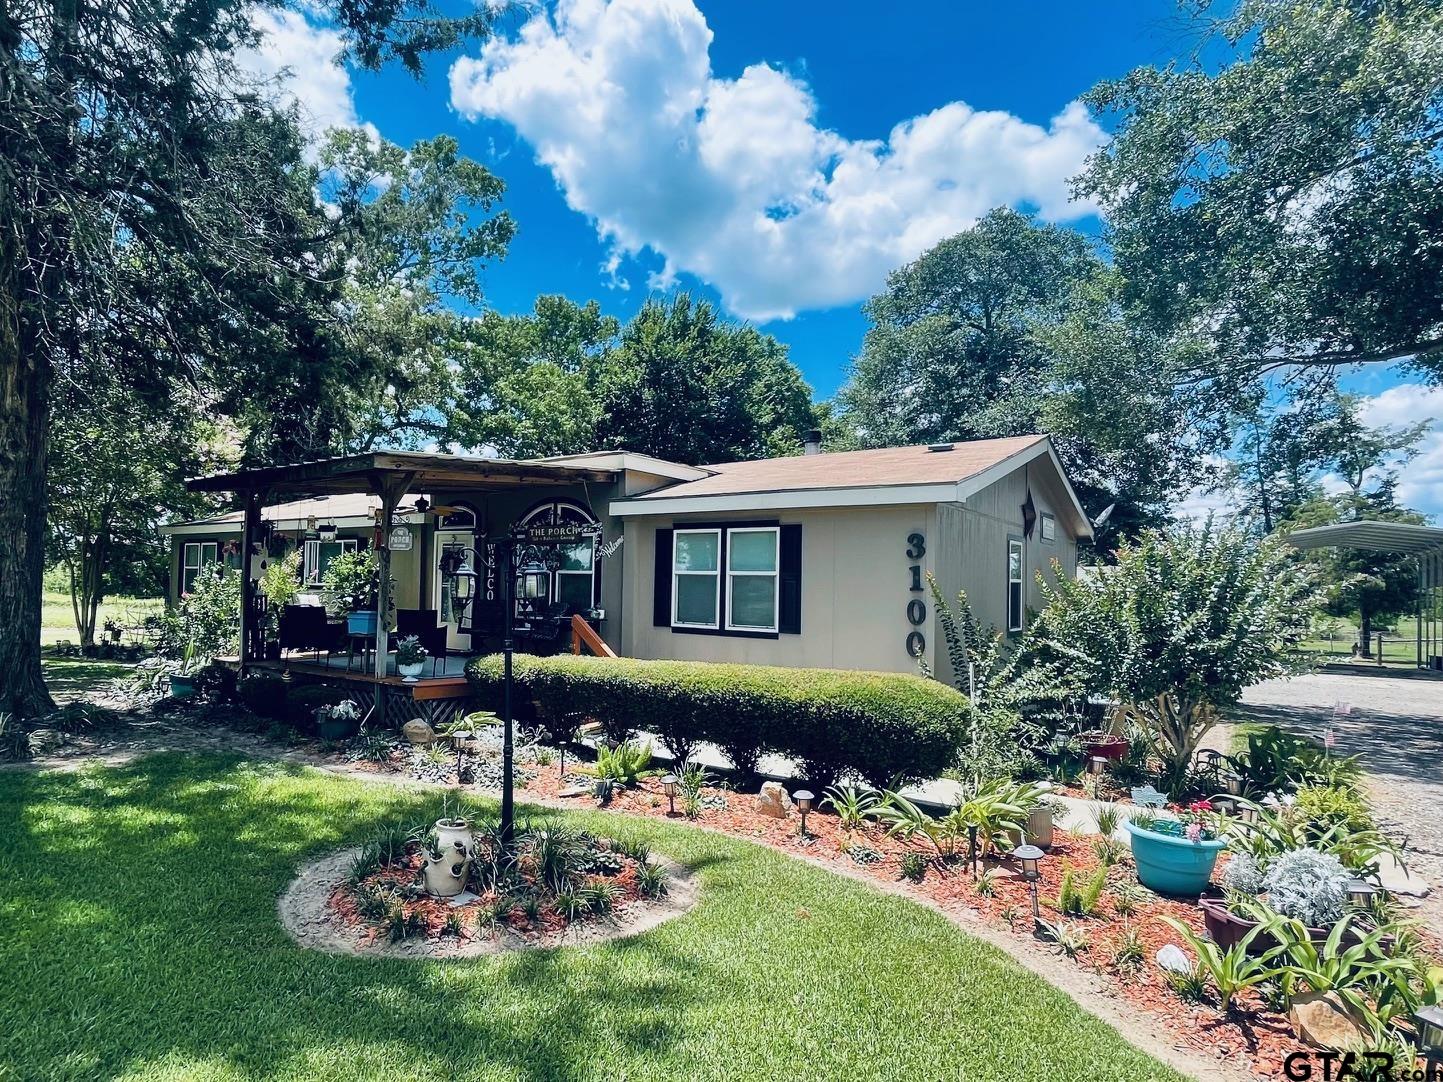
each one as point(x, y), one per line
point(423, 471)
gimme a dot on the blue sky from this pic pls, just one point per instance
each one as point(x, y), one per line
point(775, 158)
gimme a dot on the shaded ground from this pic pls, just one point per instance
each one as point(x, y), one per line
point(1396, 729)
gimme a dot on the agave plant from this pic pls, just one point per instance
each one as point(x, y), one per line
point(851, 804)
point(1231, 970)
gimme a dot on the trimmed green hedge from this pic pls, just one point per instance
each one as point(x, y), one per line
point(884, 726)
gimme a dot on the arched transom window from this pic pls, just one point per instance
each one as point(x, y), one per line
point(571, 581)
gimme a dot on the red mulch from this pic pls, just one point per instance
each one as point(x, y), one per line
point(1251, 1030)
point(433, 912)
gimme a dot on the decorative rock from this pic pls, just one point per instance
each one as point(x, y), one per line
point(575, 790)
point(466, 897)
point(774, 801)
point(45, 740)
point(418, 732)
point(1323, 1020)
point(1172, 959)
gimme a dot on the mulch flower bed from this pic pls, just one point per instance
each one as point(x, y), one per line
point(487, 914)
point(1120, 946)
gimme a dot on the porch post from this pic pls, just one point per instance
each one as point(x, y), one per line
point(248, 614)
point(391, 487)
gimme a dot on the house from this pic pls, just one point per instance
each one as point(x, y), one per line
point(820, 559)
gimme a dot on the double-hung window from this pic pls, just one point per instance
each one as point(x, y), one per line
point(194, 556)
point(696, 578)
point(1014, 584)
point(752, 579)
point(318, 556)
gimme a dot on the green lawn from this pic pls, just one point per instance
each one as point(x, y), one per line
point(57, 618)
point(1400, 644)
point(140, 941)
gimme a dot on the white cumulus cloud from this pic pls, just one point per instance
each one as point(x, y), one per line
point(732, 180)
point(1420, 482)
point(296, 64)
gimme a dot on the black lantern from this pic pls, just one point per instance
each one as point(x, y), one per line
point(668, 786)
point(1429, 1022)
point(804, 804)
point(327, 531)
point(1029, 858)
point(1361, 893)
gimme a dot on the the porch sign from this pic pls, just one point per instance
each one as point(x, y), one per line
point(555, 533)
point(400, 539)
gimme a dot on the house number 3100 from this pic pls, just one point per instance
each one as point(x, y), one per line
point(916, 607)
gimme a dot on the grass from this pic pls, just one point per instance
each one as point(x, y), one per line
point(140, 942)
point(57, 618)
point(1400, 645)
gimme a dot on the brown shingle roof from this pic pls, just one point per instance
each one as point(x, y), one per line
point(851, 469)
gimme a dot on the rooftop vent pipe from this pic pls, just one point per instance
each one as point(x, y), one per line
point(812, 442)
point(938, 448)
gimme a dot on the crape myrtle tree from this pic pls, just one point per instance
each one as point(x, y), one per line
point(1177, 629)
point(126, 129)
point(1286, 203)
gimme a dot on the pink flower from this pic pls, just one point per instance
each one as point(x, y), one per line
point(1194, 832)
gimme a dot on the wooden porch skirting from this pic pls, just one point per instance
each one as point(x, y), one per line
point(435, 699)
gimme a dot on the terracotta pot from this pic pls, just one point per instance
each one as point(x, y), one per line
point(1102, 745)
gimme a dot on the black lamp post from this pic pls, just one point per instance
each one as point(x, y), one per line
point(1361, 893)
point(804, 804)
point(1030, 859)
point(668, 785)
point(972, 848)
point(1429, 1024)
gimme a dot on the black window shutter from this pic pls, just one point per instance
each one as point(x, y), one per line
point(789, 582)
point(661, 584)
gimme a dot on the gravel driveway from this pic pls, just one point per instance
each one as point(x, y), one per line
point(1396, 729)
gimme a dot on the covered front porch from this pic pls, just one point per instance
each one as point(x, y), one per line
point(442, 535)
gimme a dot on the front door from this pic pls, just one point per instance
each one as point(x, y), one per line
point(455, 584)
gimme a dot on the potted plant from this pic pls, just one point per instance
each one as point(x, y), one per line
point(351, 582)
point(449, 848)
point(338, 721)
point(183, 679)
point(1175, 856)
point(410, 658)
point(1099, 744)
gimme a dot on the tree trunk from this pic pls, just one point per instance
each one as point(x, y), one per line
point(24, 386)
point(1365, 630)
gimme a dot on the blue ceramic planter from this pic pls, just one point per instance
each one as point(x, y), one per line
point(361, 623)
point(182, 687)
point(1170, 864)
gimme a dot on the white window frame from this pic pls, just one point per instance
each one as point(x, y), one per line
point(1047, 529)
point(200, 560)
point(717, 574)
point(1015, 545)
point(775, 575)
point(308, 578)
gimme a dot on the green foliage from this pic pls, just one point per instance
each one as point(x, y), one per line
point(676, 381)
point(1177, 630)
point(993, 809)
point(302, 701)
point(1004, 736)
point(883, 725)
point(651, 879)
point(206, 623)
point(914, 866)
point(279, 584)
point(624, 763)
point(1277, 200)
point(1080, 900)
point(1129, 952)
point(852, 805)
point(1273, 760)
point(351, 581)
point(1232, 970)
point(1276, 831)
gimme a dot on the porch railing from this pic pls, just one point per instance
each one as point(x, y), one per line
point(583, 634)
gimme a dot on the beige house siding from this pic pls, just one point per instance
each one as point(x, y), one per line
point(855, 589)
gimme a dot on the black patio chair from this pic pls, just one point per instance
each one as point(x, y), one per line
point(424, 624)
point(306, 627)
